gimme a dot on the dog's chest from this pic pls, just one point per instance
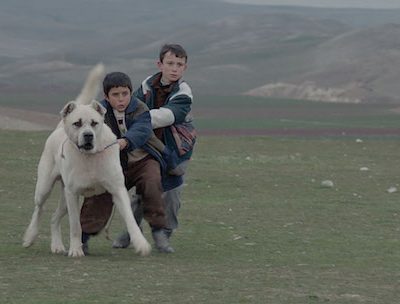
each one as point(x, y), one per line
point(86, 174)
point(90, 191)
point(88, 185)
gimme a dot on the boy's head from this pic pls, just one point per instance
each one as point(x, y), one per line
point(117, 88)
point(174, 49)
point(172, 62)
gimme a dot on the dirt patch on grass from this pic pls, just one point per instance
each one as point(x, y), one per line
point(25, 120)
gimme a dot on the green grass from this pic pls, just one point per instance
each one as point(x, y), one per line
point(239, 112)
point(256, 227)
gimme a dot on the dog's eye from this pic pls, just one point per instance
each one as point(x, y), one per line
point(78, 123)
point(94, 123)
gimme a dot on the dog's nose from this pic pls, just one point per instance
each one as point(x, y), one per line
point(88, 137)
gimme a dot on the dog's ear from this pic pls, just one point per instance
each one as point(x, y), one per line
point(98, 107)
point(69, 107)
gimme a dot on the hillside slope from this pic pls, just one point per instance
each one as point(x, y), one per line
point(320, 54)
point(357, 66)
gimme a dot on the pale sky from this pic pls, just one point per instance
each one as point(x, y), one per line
point(327, 3)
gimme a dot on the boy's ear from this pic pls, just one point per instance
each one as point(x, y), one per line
point(159, 64)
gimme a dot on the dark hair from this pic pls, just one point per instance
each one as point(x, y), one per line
point(114, 80)
point(175, 49)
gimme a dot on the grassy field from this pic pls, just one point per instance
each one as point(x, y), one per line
point(256, 227)
point(236, 114)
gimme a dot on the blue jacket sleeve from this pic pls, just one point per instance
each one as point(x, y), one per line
point(139, 131)
point(180, 105)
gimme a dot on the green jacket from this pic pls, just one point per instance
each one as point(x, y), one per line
point(179, 101)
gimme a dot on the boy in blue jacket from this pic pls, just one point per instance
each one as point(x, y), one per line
point(143, 159)
point(169, 99)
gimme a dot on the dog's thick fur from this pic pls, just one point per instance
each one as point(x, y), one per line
point(83, 154)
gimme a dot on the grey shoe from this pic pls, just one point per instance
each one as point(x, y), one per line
point(168, 232)
point(123, 240)
point(161, 241)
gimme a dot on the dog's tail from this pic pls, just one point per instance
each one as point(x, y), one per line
point(92, 85)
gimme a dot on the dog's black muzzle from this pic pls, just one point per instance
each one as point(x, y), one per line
point(88, 141)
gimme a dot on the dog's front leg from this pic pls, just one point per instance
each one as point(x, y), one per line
point(75, 246)
point(121, 200)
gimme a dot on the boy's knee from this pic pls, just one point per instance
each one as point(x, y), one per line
point(155, 217)
point(95, 213)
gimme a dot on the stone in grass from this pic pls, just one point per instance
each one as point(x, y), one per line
point(392, 190)
point(327, 184)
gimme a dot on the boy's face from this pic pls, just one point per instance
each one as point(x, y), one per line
point(171, 67)
point(119, 98)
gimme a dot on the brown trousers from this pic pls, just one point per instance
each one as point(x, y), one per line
point(146, 176)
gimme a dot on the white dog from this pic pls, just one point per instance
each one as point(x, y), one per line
point(83, 154)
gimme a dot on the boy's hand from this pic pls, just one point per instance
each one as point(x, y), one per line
point(123, 143)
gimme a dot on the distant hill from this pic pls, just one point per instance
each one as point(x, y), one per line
point(321, 54)
point(356, 66)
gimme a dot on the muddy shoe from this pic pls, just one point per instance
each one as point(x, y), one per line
point(161, 241)
point(123, 240)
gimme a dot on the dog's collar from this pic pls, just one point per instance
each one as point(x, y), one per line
point(106, 147)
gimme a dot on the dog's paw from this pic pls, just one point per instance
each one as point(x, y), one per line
point(29, 238)
point(76, 252)
point(27, 243)
point(58, 248)
point(143, 249)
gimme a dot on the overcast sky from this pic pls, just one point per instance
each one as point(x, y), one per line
point(327, 3)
